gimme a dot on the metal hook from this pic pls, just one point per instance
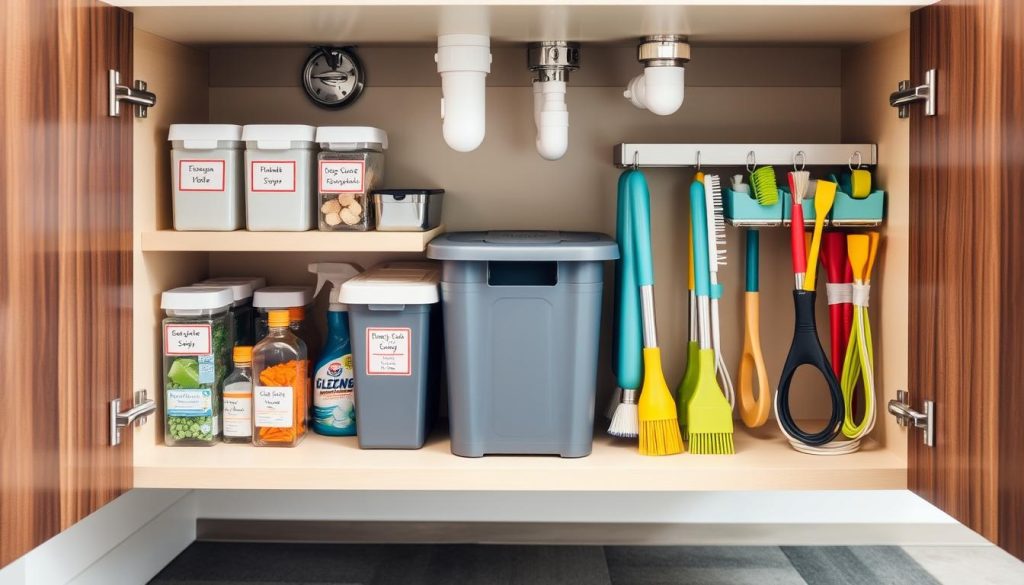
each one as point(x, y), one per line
point(636, 160)
point(751, 161)
point(803, 160)
point(860, 159)
point(698, 161)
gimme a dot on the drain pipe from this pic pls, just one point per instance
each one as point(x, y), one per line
point(551, 61)
point(464, 61)
point(660, 87)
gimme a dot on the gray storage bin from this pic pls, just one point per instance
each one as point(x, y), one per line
point(394, 324)
point(522, 318)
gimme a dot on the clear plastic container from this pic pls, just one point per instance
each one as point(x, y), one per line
point(280, 366)
point(206, 177)
point(271, 298)
point(280, 187)
point(350, 165)
point(242, 289)
point(197, 342)
point(238, 398)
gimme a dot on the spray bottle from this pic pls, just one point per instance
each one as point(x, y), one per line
point(334, 408)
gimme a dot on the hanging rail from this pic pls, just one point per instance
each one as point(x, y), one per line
point(687, 155)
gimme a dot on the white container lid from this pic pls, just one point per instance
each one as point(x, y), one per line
point(196, 298)
point(256, 282)
point(204, 136)
point(398, 283)
point(277, 136)
point(281, 297)
point(342, 138)
point(241, 290)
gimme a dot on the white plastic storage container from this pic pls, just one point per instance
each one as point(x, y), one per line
point(279, 297)
point(279, 178)
point(206, 176)
point(350, 165)
point(394, 319)
point(242, 289)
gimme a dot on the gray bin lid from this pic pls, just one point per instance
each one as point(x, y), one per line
point(524, 246)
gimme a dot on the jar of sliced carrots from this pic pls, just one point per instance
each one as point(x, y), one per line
point(280, 364)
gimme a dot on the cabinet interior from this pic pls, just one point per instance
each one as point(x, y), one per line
point(747, 93)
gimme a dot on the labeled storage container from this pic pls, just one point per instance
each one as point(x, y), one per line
point(280, 368)
point(270, 298)
point(206, 177)
point(242, 289)
point(408, 210)
point(350, 165)
point(279, 177)
point(522, 319)
point(237, 397)
point(396, 346)
point(197, 345)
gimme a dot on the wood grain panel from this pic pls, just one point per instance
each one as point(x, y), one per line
point(966, 268)
point(1011, 342)
point(65, 304)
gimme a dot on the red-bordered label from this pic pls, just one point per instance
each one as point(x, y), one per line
point(188, 340)
point(342, 176)
point(193, 180)
point(272, 176)
point(388, 351)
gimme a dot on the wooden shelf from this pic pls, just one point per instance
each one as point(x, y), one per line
point(763, 462)
point(312, 241)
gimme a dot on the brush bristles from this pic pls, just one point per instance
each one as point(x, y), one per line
point(716, 222)
point(625, 422)
point(712, 444)
point(660, 437)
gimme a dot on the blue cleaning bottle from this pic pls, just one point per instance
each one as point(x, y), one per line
point(334, 407)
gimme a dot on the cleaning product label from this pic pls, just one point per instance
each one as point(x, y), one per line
point(273, 176)
point(388, 351)
point(334, 407)
point(342, 176)
point(238, 410)
point(200, 175)
point(198, 402)
point(187, 339)
point(272, 406)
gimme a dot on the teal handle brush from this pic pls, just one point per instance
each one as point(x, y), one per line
point(629, 350)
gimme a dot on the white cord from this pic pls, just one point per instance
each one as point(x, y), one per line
point(725, 381)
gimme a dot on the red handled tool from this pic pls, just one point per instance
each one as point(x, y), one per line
point(798, 182)
point(838, 271)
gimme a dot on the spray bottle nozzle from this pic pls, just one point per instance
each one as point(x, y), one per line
point(335, 272)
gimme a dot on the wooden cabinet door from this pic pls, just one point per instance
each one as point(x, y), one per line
point(967, 264)
point(65, 268)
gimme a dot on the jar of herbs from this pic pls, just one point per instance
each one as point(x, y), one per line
point(349, 166)
point(197, 342)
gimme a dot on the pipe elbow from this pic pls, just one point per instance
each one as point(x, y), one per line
point(658, 89)
point(463, 62)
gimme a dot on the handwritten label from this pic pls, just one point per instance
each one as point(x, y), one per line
point(190, 403)
point(187, 340)
point(338, 176)
point(388, 351)
point(238, 410)
point(201, 175)
point(272, 176)
point(273, 406)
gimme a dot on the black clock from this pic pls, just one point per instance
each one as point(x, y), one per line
point(333, 77)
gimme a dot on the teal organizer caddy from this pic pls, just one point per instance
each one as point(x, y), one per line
point(847, 211)
point(787, 207)
point(741, 209)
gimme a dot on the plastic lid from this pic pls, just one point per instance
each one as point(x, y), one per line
point(397, 283)
point(196, 298)
point(283, 297)
point(240, 290)
point(296, 314)
point(278, 318)
point(278, 133)
point(242, 354)
point(204, 132)
point(348, 137)
point(256, 282)
point(524, 246)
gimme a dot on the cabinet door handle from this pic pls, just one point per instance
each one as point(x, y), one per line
point(136, 415)
point(906, 95)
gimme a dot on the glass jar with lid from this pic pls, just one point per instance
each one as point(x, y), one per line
point(349, 166)
point(197, 341)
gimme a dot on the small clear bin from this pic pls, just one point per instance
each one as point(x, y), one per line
point(408, 210)
point(350, 165)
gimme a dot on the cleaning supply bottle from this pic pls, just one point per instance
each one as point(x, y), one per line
point(334, 407)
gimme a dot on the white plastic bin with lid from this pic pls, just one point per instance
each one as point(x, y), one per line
point(206, 176)
point(242, 289)
point(279, 179)
point(270, 298)
point(394, 320)
point(350, 165)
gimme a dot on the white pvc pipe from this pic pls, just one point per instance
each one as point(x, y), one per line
point(658, 89)
point(552, 119)
point(463, 60)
